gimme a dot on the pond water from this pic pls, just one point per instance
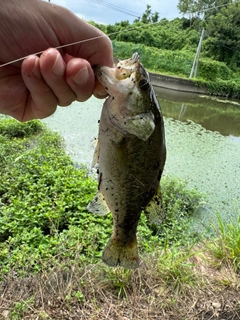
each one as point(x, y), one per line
point(215, 114)
point(203, 148)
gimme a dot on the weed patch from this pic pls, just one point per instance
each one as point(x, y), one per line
point(215, 75)
point(50, 246)
point(226, 247)
point(43, 200)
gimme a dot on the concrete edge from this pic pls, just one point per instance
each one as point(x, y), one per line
point(177, 84)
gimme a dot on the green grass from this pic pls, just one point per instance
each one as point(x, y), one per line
point(43, 200)
point(51, 244)
point(216, 76)
point(226, 246)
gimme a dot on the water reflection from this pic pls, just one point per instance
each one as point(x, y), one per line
point(212, 114)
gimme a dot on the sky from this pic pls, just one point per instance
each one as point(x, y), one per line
point(110, 12)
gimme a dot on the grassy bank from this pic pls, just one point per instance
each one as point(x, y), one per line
point(50, 246)
point(215, 75)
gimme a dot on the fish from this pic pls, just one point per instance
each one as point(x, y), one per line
point(130, 156)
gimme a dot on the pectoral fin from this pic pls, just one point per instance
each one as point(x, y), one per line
point(141, 125)
point(98, 205)
point(154, 211)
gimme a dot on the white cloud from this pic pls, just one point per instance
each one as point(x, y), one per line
point(92, 10)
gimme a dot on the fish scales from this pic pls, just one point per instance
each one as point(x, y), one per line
point(130, 157)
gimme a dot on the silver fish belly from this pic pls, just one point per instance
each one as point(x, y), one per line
point(130, 156)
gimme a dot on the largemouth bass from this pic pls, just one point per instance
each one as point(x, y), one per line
point(130, 156)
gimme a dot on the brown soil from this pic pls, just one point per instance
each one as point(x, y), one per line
point(208, 290)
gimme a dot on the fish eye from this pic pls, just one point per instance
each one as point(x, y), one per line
point(144, 84)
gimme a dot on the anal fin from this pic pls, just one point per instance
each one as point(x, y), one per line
point(98, 205)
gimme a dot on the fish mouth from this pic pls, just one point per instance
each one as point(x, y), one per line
point(130, 70)
point(129, 63)
point(97, 70)
point(129, 105)
point(123, 68)
point(104, 75)
point(121, 71)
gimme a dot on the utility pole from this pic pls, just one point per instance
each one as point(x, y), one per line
point(196, 58)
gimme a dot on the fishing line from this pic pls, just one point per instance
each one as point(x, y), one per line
point(75, 43)
point(98, 37)
point(59, 47)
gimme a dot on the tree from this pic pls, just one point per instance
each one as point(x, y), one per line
point(148, 16)
point(187, 7)
point(223, 31)
point(215, 6)
point(197, 8)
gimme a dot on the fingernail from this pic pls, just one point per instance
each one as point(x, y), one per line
point(82, 76)
point(36, 69)
point(102, 94)
point(58, 68)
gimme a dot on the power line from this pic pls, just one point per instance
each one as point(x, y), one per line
point(214, 7)
point(223, 5)
point(117, 8)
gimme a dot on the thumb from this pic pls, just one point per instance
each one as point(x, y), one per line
point(93, 46)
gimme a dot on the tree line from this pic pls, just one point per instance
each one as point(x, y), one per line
point(219, 18)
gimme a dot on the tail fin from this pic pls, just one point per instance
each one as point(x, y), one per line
point(118, 253)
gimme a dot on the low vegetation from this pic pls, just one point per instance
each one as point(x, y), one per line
point(50, 246)
point(218, 78)
point(169, 46)
point(44, 199)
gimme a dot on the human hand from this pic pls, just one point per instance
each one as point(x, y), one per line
point(34, 88)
